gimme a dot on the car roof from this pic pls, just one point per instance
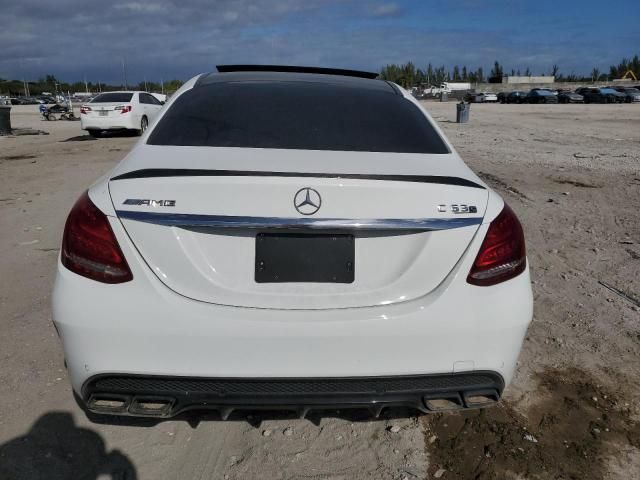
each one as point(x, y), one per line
point(296, 77)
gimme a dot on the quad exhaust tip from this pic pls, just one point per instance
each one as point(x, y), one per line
point(124, 404)
point(456, 401)
point(153, 407)
point(108, 403)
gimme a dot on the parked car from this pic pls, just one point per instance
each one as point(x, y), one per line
point(631, 94)
point(567, 96)
point(233, 258)
point(24, 101)
point(474, 97)
point(540, 95)
point(600, 95)
point(516, 97)
point(119, 111)
point(481, 97)
point(490, 97)
point(617, 96)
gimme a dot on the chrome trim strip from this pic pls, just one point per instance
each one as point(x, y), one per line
point(229, 221)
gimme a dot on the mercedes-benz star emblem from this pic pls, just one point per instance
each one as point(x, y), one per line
point(307, 201)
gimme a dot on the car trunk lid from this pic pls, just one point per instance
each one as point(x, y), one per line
point(198, 228)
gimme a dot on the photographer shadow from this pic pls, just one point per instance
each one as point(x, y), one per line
point(56, 449)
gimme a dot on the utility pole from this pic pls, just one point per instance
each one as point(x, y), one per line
point(86, 88)
point(146, 89)
point(162, 85)
point(124, 75)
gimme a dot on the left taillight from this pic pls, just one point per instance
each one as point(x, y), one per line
point(89, 247)
point(84, 109)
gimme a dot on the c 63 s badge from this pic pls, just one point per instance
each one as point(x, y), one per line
point(149, 203)
point(458, 208)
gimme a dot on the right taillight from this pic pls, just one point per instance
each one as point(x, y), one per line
point(89, 247)
point(502, 255)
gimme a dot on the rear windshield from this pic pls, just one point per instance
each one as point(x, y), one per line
point(112, 97)
point(297, 115)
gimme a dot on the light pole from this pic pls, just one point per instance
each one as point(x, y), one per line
point(124, 75)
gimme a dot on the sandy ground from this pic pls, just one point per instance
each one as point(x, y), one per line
point(572, 173)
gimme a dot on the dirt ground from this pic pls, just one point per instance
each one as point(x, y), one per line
point(571, 173)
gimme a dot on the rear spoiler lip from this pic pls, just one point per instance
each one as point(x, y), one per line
point(181, 172)
point(265, 223)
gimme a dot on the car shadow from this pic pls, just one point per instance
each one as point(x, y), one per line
point(118, 133)
point(57, 449)
point(79, 138)
point(104, 134)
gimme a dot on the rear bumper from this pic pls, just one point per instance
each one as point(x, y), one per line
point(123, 122)
point(163, 397)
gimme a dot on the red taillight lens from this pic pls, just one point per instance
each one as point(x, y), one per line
point(123, 108)
point(85, 109)
point(502, 255)
point(89, 247)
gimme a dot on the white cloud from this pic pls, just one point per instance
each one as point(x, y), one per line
point(385, 10)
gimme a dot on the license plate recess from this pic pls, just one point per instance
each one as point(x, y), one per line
point(300, 257)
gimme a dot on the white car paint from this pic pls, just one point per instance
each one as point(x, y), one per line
point(193, 309)
point(101, 114)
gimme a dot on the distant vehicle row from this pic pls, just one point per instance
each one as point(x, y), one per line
point(615, 94)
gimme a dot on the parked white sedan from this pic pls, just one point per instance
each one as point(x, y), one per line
point(488, 97)
point(294, 238)
point(119, 111)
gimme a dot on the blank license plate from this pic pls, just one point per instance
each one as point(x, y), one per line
point(103, 113)
point(292, 257)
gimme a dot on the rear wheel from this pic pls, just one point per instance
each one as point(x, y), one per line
point(144, 124)
point(95, 133)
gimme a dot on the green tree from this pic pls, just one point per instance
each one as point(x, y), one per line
point(456, 74)
point(496, 72)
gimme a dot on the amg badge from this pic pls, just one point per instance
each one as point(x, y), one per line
point(149, 203)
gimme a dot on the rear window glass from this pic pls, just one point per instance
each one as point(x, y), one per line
point(296, 115)
point(112, 97)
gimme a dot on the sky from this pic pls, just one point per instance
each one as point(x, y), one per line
point(168, 39)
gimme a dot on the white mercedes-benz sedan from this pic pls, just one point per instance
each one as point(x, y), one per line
point(291, 238)
point(119, 111)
